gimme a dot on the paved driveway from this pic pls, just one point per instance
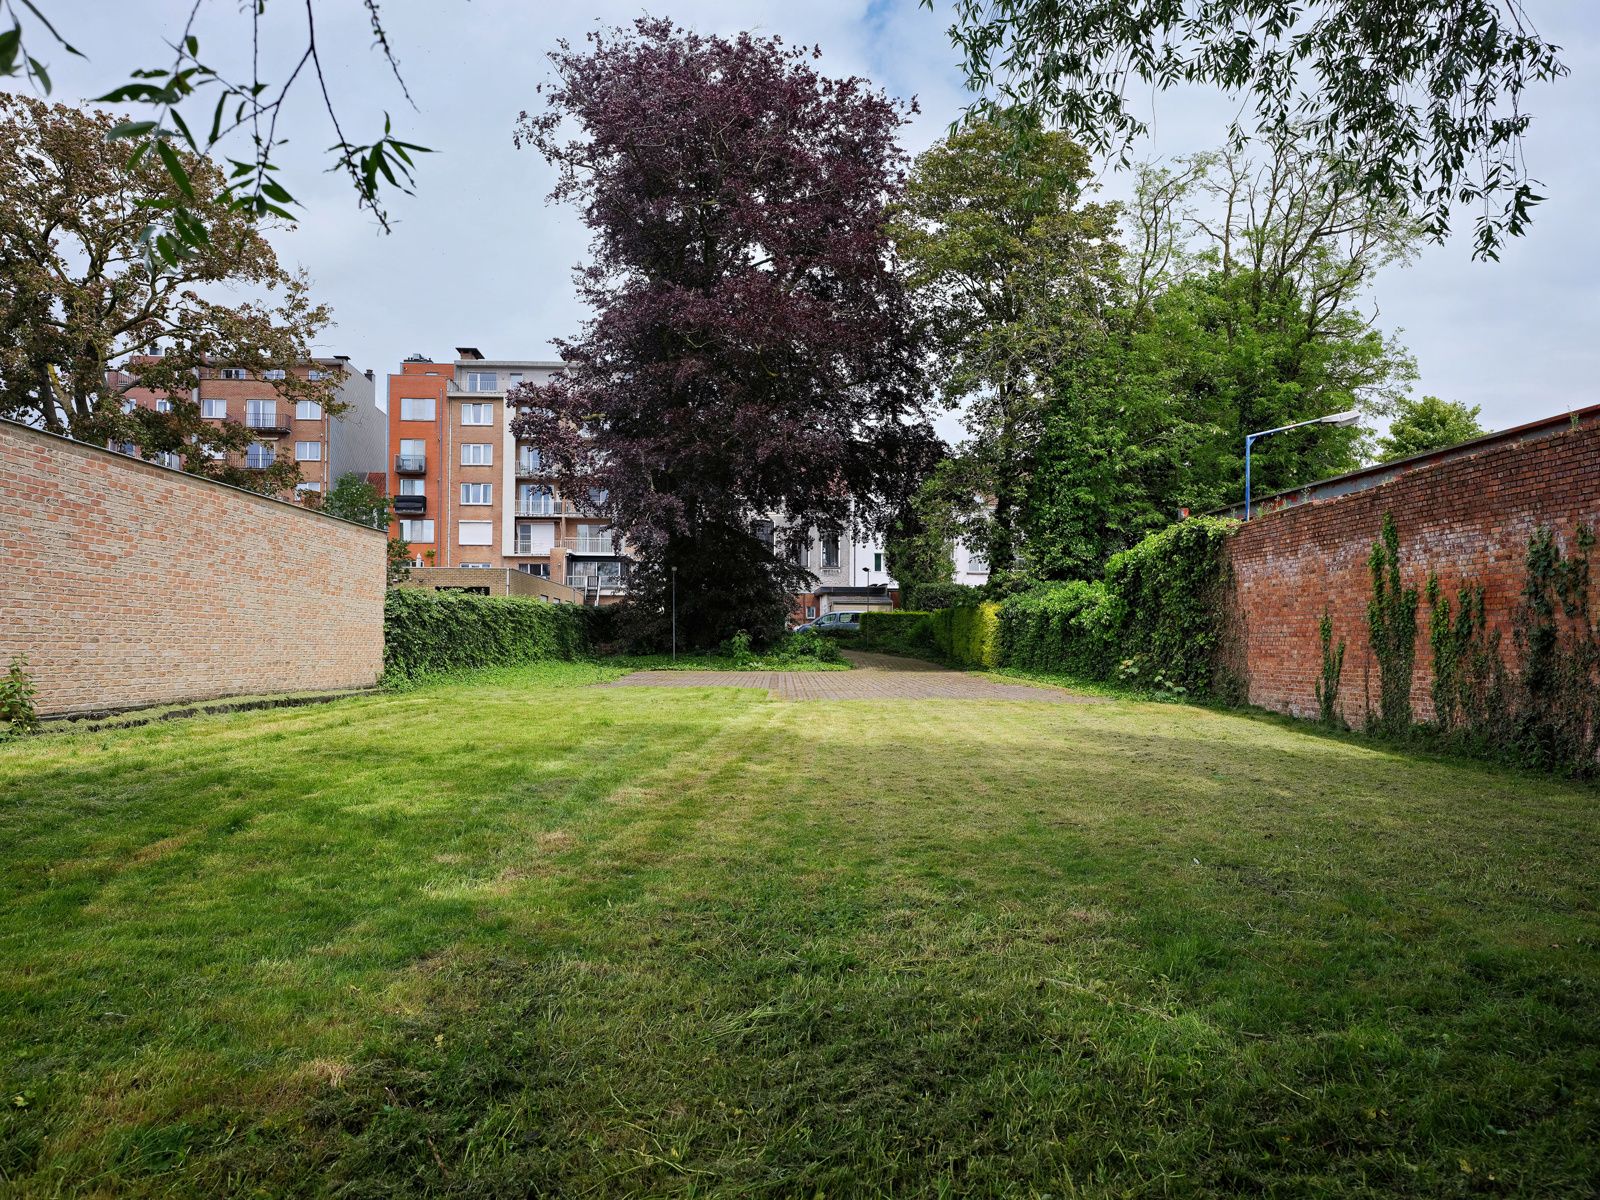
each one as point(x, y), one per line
point(876, 677)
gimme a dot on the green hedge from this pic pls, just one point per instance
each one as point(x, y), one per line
point(898, 632)
point(927, 597)
point(1165, 604)
point(1058, 627)
point(968, 635)
point(425, 632)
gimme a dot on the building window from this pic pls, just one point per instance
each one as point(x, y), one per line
point(163, 406)
point(234, 373)
point(536, 539)
point(477, 493)
point(260, 455)
point(261, 414)
point(811, 612)
point(416, 531)
point(476, 566)
point(477, 414)
point(799, 552)
point(212, 407)
point(830, 551)
point(302, 488)
point(528, 461)
point(316, 376)
point(977, 564)
point(275, 374)
point(763, 532)
point(535, 500)
point(475, 533)
point(542, 570)
point(169, 458)
point(307, 410)
point(412, 487)
point(514, 380)
point(477, 454)
point(482, 381)
point(308, 452)
point(877, 562)
point(416, 408)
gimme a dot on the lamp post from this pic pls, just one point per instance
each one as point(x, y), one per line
point(1338, 418)
point(674, 614)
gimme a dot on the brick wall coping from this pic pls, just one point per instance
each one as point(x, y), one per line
point(90, 449)
point(1380, 473)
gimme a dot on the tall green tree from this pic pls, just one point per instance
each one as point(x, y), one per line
point(1419, 102)
point(1428, 424)
point(1240, 310)
point(1011, 267)
point(85, 324)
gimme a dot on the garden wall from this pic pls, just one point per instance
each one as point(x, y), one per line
point(128, 584)
point(1469, 519)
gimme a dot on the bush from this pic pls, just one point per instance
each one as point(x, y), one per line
point(1058, 627)
point(898, 632)
point(927, 597)
point(1166, 606)
point(426, 632)
point(17, 713)
point(968, 635)
point(806, 644)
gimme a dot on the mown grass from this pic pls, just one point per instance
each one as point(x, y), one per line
point(507, 935)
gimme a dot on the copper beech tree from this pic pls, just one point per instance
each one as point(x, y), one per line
point(752, 353)
point(84, 321)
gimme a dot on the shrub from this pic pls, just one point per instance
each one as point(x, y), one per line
point(1058, 627)
point(927, 597)
point(1166, 605)
point(426, 632)
point(806, 644)
point(899, 632)
point(17, 713)
point(968, 635)
point(738, 649)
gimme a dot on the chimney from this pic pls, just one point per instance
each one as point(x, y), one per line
point(369, 377)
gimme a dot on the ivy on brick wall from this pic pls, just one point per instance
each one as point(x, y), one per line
point(1391, 632)
point(1332, 673)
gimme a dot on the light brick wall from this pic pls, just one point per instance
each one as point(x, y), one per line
point(1467, 519)
point(127, 584)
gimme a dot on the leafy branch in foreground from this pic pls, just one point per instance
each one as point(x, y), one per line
point(177, 225)
point(1424, 96)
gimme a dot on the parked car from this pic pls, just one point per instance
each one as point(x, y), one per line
point(836, 622)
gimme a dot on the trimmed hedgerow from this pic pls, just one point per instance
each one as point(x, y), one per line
point(968, 634)
point(1166, 606)
point(929, 597)
point(899, 632)
point(1058, 627)
point(427, 632)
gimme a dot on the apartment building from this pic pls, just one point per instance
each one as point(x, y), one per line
point(467, 494)
point(850, 575)
point(324, 447)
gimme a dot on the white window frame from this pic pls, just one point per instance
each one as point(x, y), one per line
point(477, 495)
point(302, 452)
point(233, 373)
point(411, 485)
point(420, 531)
point(471, 413)
point(163, 405)
point(474, 381)
point(830, 550)
point(407, 403)
point(308, 410)
point(257, 450)
point(209, 406)
point(275, 374)
point(482, 454)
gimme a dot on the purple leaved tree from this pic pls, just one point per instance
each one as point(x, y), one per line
point(752, 353)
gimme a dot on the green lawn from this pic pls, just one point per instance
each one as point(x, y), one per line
point(511, 936)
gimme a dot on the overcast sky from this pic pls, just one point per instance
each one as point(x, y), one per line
point(479, 258)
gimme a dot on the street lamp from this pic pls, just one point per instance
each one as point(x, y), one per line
point(1338, 418)
point(674, 614)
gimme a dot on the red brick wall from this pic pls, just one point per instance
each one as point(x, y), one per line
point(1468, 520)
point(127, 584)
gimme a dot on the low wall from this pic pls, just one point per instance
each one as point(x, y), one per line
point(127, 584)
point(1468, 519)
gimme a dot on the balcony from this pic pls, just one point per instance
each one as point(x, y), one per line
point(267, 422)
point(410, 464)
point(410, 506)
point(543, 508)
point(605, 585)
point(530, 468)
point(591, 543)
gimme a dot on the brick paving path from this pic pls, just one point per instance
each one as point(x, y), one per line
point(875, 677)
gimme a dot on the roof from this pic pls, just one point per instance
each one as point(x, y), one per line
point(1381, 473)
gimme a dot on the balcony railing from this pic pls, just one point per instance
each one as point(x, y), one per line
point(591, 543)
point(266, 422)
point(410, 464)
point(597, 583)
point(530, 468)
point(410, 506)
point(259, 462)
point(543, 508)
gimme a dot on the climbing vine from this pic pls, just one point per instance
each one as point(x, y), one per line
point(1332, 670)
point(1557, 722)
point(1391, 632)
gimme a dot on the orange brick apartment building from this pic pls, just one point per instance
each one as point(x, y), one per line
point(467, 494)
point(323, 447)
